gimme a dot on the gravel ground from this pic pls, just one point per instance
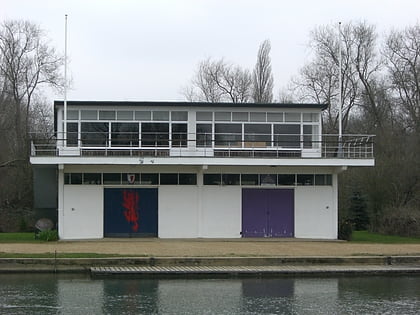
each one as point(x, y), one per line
point(214, 248)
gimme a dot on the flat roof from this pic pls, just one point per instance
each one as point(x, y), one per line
point(189, 104)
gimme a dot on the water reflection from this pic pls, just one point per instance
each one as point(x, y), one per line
point(130, 297)
point(65, 294)
point(199, 296)
point(274, 296)
point(36, 294)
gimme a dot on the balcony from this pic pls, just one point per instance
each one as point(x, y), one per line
point(284, 146)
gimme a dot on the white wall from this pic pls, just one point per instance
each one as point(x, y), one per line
point(191, 212)
point(195, 211)
point(315, 212)
point(221, 213)
point(83, 212)
point(178, 216)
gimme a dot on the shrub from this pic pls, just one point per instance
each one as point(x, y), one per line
point(345, 229)
point(401, 221)
point(23, 226)
point(48, 235)
point(358, 211)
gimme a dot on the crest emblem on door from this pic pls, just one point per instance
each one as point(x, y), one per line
point(131, 178)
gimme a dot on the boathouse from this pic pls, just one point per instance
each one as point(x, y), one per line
point(193, 170)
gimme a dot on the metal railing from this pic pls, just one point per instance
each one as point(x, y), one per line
point(202, 145)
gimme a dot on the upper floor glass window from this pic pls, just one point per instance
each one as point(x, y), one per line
point(155, 134)
point(204, 116)
point(228, 135)
point(292, 117)
point(94, 133)
point(179, 135)
point(89, 114)
point(143, 115)
point(257, 135)
point(179, 116)
point(161, 115)
point(107, 115)
point(125, 115)
point(204, 135)
point(258, 116)
point(310, 117)
point(275, 117)
point(240, 116)
point(222, 116)
point(287, 136)
point(72, 134)
point(125, 134)
point(72, 114)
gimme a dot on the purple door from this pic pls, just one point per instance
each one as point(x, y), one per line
point(267, 212)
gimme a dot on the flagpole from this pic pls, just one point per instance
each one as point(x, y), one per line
point(340, 101)
point(65, 82)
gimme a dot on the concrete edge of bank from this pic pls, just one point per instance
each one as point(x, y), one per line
point(300, 264)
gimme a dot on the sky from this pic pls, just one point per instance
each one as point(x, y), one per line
point(148, 50)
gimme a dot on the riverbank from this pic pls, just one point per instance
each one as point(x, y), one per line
point(219, 266)
point(287, 255)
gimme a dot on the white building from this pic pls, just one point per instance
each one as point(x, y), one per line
point(193, 170)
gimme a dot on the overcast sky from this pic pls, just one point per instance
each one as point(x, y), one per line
point(149, 50)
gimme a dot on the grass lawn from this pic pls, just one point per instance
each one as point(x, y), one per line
point(18, 238)
point(368, 237)
point(357, 237)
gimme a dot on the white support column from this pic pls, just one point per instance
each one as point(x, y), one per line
point(192, 130)
point(60, 214)
point(200, 184)
point(335, 204)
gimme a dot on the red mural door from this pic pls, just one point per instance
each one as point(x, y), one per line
point(130, 212)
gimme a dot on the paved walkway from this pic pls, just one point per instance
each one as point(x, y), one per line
point(154, 247)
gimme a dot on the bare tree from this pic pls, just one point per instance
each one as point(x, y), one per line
point(285, 95)
point(218, 81)
point(26, 62)
point(318, 81)
point(373, 99)
point(402, 52)
point(262, 77)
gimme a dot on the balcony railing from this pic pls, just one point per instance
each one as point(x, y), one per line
point(281, 146)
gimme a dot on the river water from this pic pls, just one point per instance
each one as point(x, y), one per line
point(78, 294)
